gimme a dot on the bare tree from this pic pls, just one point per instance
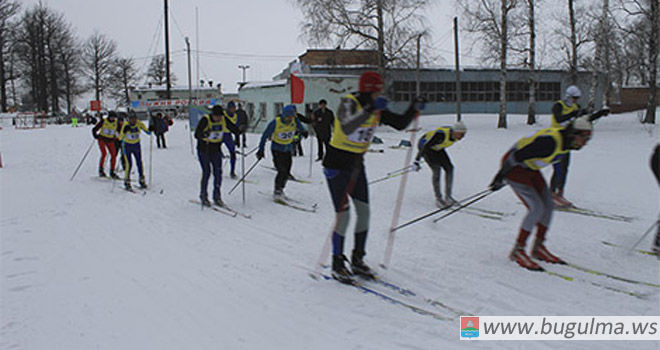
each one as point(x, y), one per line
point(572, 36)
point(7, 10)
point(124, 76)
point(601, 62)
point(157, 71)
point(489, 21)
point(643, 24)
point(391, 27)
point(98, 54)
point(531, 22)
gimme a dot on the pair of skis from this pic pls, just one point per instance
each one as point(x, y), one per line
point(292, 203)
point(223, 209)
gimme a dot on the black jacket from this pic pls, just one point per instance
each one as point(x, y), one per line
point(207, 146)
point(322, 120)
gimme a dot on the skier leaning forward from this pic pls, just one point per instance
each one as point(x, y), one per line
point(281, 130)
point(432, 147)
point(130, 143)
point(358, 116)
point(521, 167)
point(210, 133)
point(106, 132)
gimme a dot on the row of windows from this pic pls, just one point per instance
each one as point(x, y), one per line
point(474, 91)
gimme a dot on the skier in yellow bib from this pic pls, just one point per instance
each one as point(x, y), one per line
point(432, 147)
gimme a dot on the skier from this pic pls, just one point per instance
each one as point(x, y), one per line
point(228, 138)
point(210, 133)
point(281, 130)
point(655, 166)
point(564, 112)
point(432, 147)
point(322, 120)
point(106, 131)
point(358, 116)
point(521, 167)
point(130, 137)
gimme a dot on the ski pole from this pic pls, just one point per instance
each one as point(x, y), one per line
point(656, 223)
point(325, 251)
point(243, 168)
point(82, 160)
point(311, 149)
point(244, 176)
point(400, 170)
point(399, 197)
point(419, 218)
point(151, 153)
point(464, 205)
point(389, 176)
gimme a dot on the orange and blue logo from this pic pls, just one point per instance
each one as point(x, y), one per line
point(469, 327)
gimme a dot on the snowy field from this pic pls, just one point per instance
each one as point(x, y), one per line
point(86, 265)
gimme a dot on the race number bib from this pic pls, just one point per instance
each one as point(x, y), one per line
point(109, 132)
point(132, 136)
point(362, 134)
point(215, 135)
point(285, 135)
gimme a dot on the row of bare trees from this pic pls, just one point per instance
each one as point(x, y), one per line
point(44, 66)
point(615, 39)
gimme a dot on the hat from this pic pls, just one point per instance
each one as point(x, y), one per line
point(573, 91)
point(217, 110)
point(231, 104)
point(288, 110)
point(112, 114)
point(459, 127)
point(371, 82)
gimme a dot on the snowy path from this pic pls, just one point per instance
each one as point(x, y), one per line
point(86, 265)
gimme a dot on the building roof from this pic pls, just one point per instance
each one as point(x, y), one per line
point(175, 88)
point(263, 84)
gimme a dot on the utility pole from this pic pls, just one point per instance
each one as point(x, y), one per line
point(244, 68)
point(417, 87)
point(458, 71)
point(167, 52)
point(189, 92)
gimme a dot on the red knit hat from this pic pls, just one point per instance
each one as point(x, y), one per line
point(371, 82)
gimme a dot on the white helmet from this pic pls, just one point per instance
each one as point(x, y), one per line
point(582, 124)
point(573, 91)
point(459, 127)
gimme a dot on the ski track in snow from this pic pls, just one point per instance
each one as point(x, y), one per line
point(84, 264)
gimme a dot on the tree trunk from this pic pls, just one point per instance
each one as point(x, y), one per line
point(531, 110)
point(3, 80)
point(381, 39)
point(574, 60)
point(501, 122)
point(653, 63)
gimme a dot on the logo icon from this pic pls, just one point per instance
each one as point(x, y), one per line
point(469, 327)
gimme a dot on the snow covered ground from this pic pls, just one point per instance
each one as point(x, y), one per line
point(86, 265)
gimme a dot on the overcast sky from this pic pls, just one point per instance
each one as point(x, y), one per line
point(263, 34)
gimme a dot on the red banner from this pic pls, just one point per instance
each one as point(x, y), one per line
point(297, 90)
point(95, 105)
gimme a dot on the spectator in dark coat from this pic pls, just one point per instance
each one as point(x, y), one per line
point(242, 124)
point(160, 124)
point(322, 120)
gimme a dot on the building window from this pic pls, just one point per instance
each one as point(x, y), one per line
point(474, 91)
point(262, 111)
point(250, 111)
point(278, 108)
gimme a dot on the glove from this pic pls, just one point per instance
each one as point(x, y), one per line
point(96, 136)
point(416, 166)
point(260, 154)
point(148, 133)
point(606, 111)
point(419, 103)
point(380, 103)
point(497, 183)
point(304, 134)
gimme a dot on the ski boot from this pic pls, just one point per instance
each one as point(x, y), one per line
point(292, 178)
point(560, 201)
point(359, 267)
point(114, 175)
point(233, 175)
point(339, 270)
point(127, 185)
point(101, 172)
point(441, 203)
point(278, 196)
point(205, 201)
point(143, 184)
point(450, 200)
point(519, 256)
point(218, 202)
point(541, 252)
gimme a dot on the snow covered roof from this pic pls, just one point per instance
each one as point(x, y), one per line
point(262, 84)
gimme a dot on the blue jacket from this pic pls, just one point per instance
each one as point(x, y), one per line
point(276, 146)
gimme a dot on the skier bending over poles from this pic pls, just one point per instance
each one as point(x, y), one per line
point(358, 116)
point(130, 137)
point(521, 167)
point(228, 138)
point(281, 130)
point(106, 131)
point(432, 147)
point(210, 133)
